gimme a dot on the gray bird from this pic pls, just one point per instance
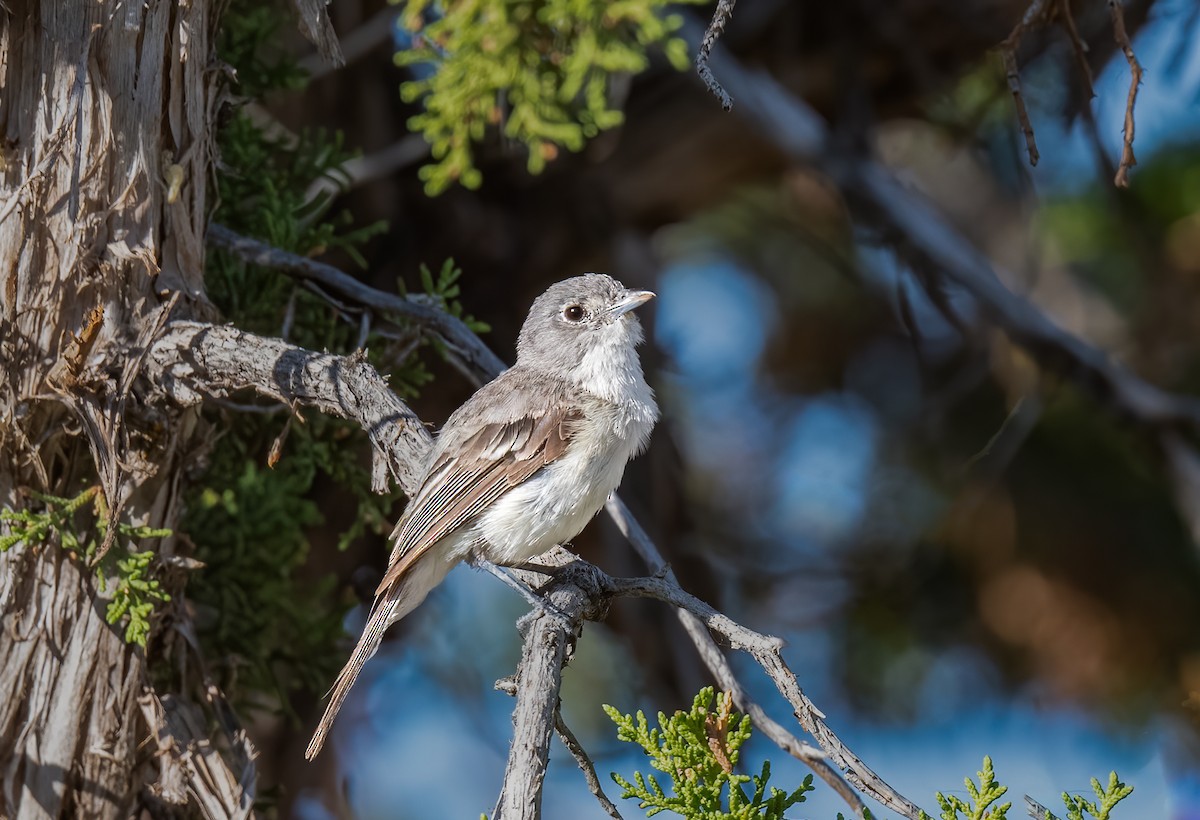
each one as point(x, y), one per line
point(527, 461)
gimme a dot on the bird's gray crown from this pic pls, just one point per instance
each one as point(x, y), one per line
point(578, 321)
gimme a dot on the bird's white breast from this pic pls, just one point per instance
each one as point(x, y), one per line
point(555, 505)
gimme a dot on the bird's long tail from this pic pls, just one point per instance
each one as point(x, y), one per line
point(402, 597)
point(372, 634)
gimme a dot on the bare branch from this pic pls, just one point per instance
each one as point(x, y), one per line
point(664, 587)
point(1135, 80)
point(191, 361)
point(459, 339)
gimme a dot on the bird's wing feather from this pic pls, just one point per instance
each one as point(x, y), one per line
point(465, 479)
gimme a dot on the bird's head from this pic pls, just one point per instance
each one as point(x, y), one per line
point(582, 328)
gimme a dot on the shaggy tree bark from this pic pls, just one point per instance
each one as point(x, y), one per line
point(104, 148)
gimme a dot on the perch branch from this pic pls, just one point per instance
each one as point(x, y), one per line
point(663, 587)
point(580, 576)
point(574, 593)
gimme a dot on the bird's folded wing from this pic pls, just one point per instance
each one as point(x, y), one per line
point(465, 479)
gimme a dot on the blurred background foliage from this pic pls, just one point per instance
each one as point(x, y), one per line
point(967, 549)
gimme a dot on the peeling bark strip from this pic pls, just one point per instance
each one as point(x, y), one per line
point(69, 732)
point(187, 756)
point(96, 95)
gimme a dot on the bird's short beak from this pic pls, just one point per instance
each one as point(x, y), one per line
point(631, 299)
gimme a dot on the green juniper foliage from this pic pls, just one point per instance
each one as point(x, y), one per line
point(982, 797)
point(988, 791)
point(699, 751)
point(251, 512)
point(539, 70)
point(123, 572)
point(1107, 796)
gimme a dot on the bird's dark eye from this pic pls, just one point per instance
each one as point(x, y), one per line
point(573, 313)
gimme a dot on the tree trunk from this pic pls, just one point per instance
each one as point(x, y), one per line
point(105, 142)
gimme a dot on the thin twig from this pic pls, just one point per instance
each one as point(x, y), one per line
point(715, 29)
point(1121, 180)
point(1078, 46)
point(1034, 17)
point(585, 764)
point(1013, 75)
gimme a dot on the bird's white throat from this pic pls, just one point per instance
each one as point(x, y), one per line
point(612, 370)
